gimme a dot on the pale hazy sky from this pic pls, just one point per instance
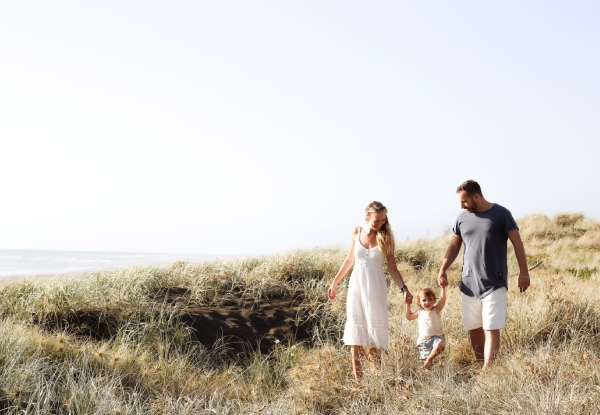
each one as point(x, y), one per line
point(256, 127)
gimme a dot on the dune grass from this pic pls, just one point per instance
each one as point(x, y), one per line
point(110, 343)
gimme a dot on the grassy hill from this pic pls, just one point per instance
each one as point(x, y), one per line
point(258, 335)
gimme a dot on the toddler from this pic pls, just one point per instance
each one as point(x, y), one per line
point(431, 340)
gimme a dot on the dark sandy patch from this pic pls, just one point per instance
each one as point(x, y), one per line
point(243, 324)
point(231, 325)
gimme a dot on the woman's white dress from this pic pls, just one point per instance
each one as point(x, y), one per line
point(366, 304)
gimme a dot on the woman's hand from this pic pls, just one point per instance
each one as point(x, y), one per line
point(331, 291)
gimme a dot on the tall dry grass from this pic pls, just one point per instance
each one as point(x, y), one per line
point(563, 242)
point(135, 356)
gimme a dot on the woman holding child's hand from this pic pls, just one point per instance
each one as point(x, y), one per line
point(366, 305)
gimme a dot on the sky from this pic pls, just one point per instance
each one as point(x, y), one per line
point(261, 127)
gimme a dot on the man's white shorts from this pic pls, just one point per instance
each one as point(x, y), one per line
point(488, 312)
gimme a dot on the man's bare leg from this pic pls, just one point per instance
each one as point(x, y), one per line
point(477, 338)
point(492, 345)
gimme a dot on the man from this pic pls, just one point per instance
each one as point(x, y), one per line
point(484, 228)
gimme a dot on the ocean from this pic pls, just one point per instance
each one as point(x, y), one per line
point(29, 263)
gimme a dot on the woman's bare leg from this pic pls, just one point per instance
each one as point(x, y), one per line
point(374, 357)
point(357, 353)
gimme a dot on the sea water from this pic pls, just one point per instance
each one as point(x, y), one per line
point(28, 263)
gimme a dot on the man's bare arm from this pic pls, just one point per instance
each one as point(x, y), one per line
point(449, 257)
point(515, 239)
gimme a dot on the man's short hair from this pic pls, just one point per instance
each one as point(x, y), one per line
point(471, 187)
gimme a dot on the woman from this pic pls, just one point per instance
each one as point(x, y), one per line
point(366, 304)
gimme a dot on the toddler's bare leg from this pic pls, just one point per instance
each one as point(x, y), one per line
point(437, 349)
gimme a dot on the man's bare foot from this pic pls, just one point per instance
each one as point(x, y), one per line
point(427, 364)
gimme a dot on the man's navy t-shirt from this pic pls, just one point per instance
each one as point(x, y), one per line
point(485, 236)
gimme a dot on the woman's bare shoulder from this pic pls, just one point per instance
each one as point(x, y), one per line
point(355, 232)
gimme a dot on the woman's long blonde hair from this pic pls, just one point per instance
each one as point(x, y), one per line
point(385, 236)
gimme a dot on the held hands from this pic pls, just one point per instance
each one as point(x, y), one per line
point(524, 282)
point(443, 279)
point(407, 297)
